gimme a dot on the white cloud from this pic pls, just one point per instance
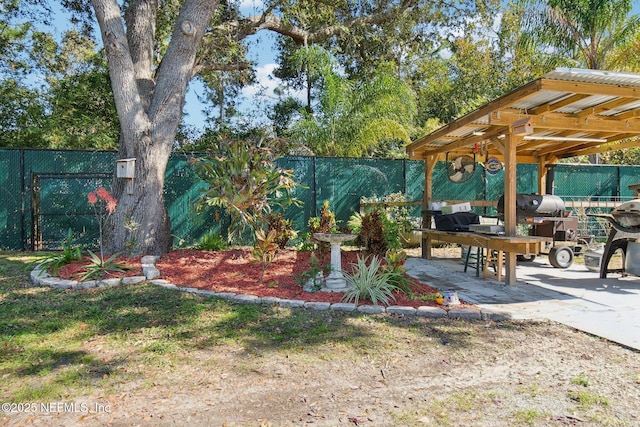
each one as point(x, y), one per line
point(251, 7)
point(266, 84)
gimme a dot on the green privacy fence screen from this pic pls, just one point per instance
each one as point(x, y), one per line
point(43, 193)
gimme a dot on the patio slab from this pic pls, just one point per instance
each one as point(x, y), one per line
point(576, 297)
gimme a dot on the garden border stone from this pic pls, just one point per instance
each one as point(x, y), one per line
point(371, 309)
point(343, 306)
point(464, 313)
point(430, 311)
point(291, 302)
point(317, 305)
point(270, 300)
point(41, 278)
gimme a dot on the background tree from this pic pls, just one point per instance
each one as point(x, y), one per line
point(21, 109)
point(59, 96)
point(585, 33)
point(21, 115)
point(356, 118)
point(80, 108)
point(467, 69)
point(414, 42)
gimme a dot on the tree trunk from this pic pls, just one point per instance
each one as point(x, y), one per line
point(149, 104)
point(140, 224)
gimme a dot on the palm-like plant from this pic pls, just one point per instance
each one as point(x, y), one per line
point(585, 33)
point(69, 254)
point(357, 118)
point(242, 179)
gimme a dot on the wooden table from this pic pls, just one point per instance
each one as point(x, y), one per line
point(490, 242)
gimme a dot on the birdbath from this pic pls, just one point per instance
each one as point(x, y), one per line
point(335, 281)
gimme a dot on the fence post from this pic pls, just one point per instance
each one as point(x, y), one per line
point(36, 226)
point(315, 188)
point(404, 177)
point(618, 183)
point(22, 201)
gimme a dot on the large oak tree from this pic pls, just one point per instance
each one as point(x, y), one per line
point(150, 73)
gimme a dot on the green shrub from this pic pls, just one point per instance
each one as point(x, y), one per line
point(69, 254)
point(311, 275)
point(376, 231)
point(100, 267)
point(369, 282)
point(282, 227)
point(241, 178)
point(395, 268)
point(212, 241)
point(325, 223)
point(264, 250)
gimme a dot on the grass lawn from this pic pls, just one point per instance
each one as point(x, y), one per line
point(160, 357)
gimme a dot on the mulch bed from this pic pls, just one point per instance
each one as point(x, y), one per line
point(76, 270)
point(235, 271)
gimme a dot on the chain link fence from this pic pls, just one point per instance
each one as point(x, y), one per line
point(44, 192)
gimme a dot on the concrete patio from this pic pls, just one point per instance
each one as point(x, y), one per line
point(608, 308)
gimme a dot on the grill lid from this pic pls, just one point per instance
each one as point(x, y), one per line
point(630, 207)
point(627, 214)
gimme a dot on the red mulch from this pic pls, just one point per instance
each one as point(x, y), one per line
point(234, 271)
point(75, 270)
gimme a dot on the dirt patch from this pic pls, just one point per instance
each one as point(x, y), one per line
point(388, 371)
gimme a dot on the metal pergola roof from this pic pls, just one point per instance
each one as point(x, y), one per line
point(572, 112)
point(564, 113)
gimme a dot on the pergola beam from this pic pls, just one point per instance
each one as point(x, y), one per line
point(567, 122)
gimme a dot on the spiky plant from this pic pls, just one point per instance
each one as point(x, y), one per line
point(369, 282)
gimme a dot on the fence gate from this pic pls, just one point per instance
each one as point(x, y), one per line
point(59, 203)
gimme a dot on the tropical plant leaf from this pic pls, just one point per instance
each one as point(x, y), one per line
point(369, 282)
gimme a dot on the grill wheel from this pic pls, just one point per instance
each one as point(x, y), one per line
point(561, 256)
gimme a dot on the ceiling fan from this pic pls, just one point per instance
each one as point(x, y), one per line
point(461, 168)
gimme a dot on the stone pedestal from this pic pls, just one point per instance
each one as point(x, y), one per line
point(335, 281)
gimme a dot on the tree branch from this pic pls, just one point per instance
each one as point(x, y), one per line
point(219, 66)
point(129, 106)
point(268, 21)
point(140, 18)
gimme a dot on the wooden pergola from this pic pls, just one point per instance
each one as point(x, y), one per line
point(564, 113)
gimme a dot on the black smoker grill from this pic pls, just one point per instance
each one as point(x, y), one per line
point(625, 227)
point(547, 217)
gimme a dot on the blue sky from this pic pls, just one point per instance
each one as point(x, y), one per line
point(262, 51)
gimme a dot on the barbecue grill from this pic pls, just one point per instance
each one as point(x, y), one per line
point(625, 228)
point(546, 215)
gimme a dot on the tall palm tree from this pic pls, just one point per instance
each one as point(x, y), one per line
point(584, 33)
point(593, 34)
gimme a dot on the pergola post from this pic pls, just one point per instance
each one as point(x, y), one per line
point(427, 196)
point(543, 172)
point(510, 219)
